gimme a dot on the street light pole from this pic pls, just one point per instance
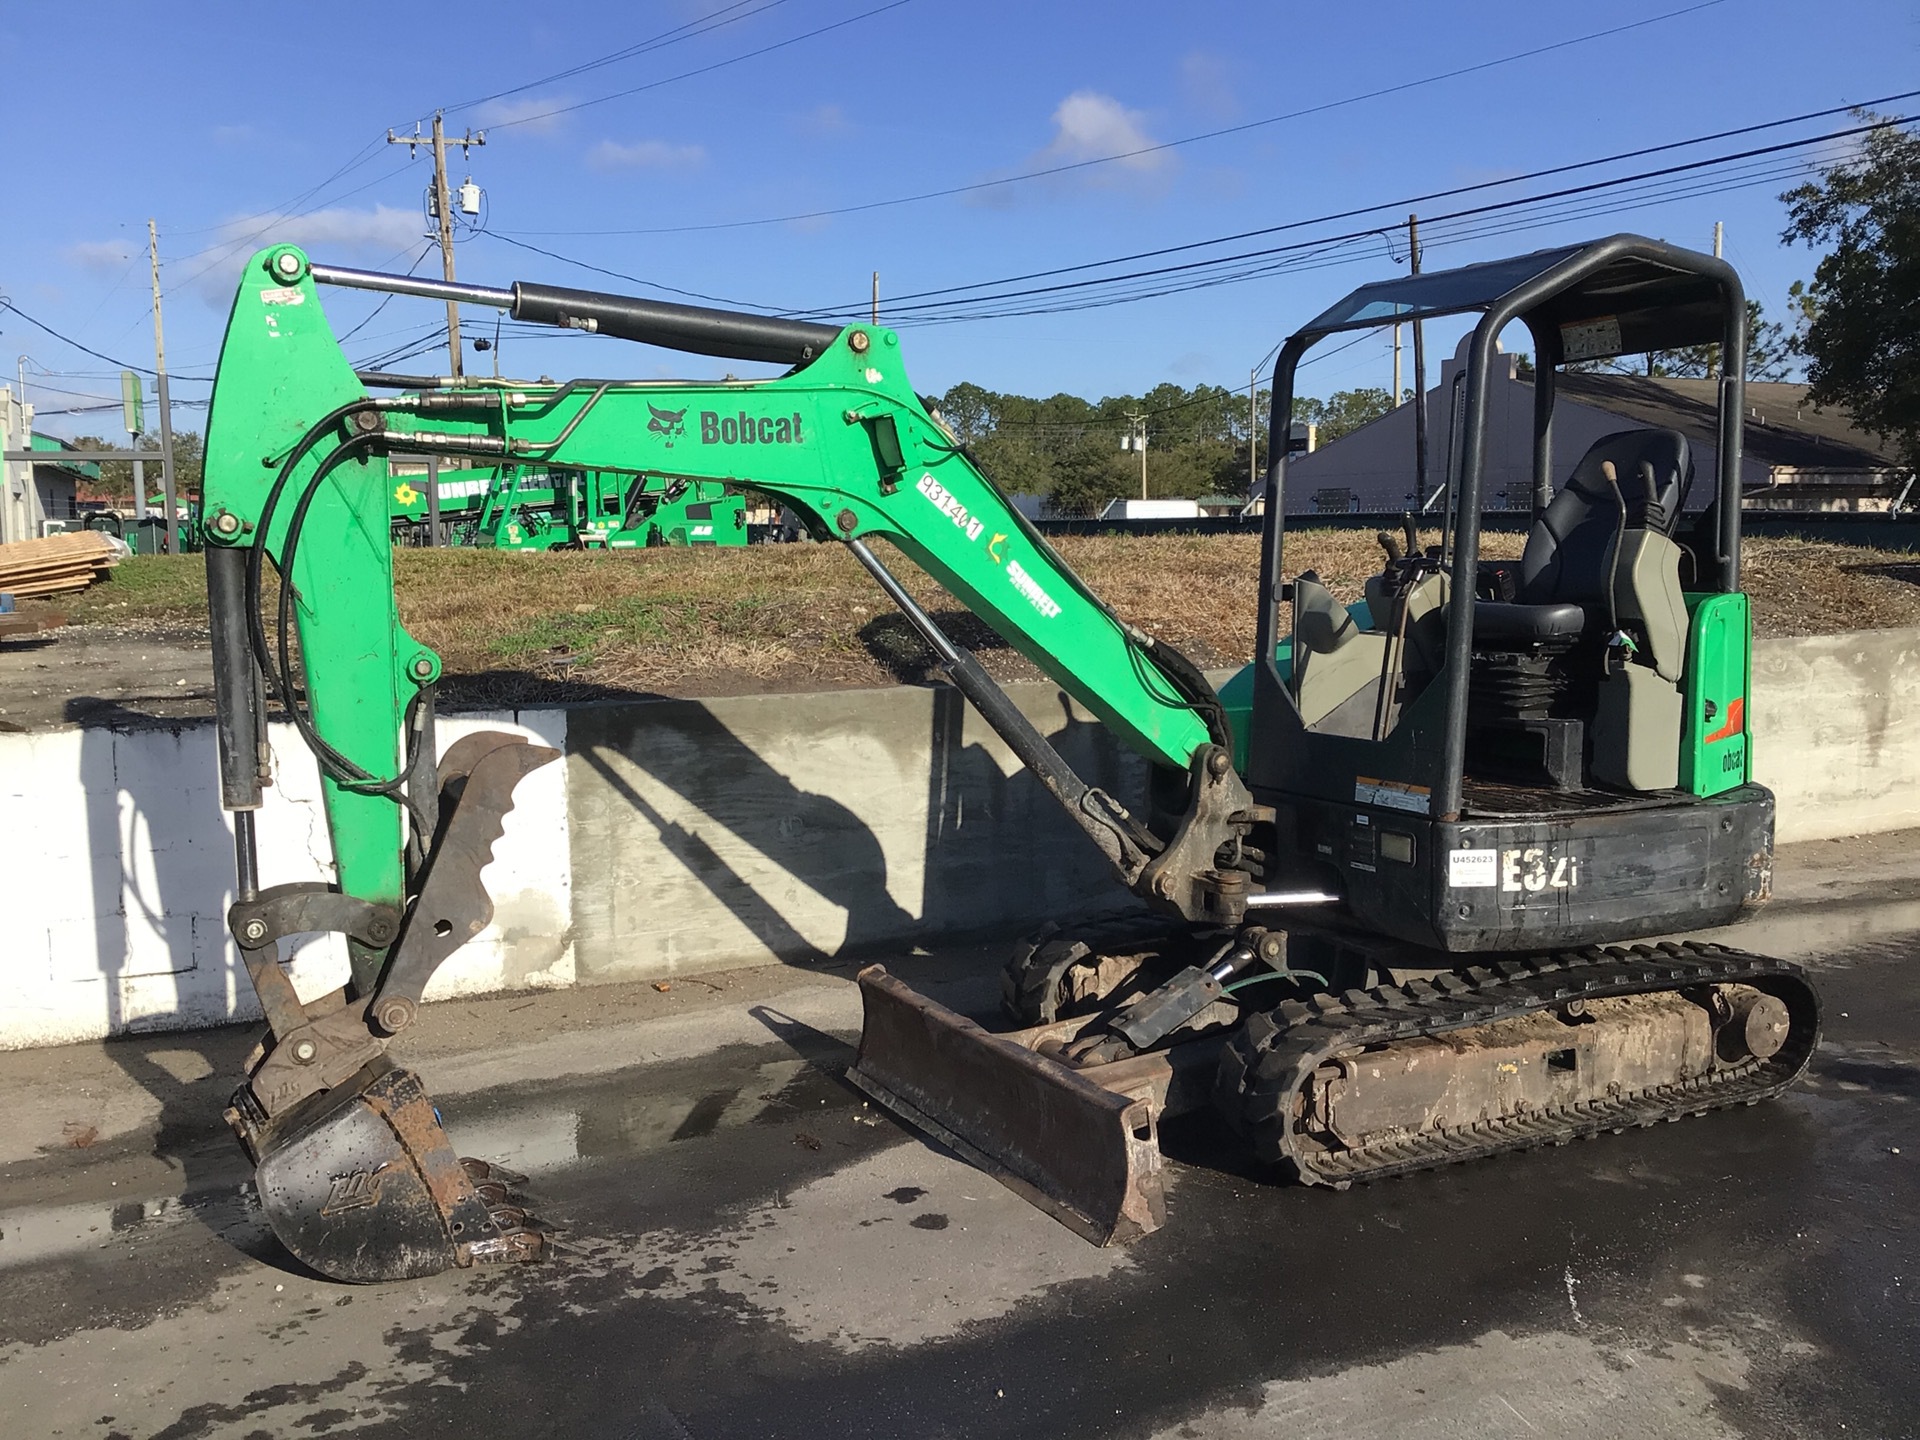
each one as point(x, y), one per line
point(1253, 429)
point(171, 525)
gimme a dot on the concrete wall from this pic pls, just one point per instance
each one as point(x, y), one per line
point(116, 870)
point(681, 835)
point(1837, 732)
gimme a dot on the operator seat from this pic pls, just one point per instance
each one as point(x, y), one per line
point(1566, 571)
point(1550, 691)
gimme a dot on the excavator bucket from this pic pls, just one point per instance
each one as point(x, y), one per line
point(1085, 1151)
point(361, 1183)
point(353, 1170)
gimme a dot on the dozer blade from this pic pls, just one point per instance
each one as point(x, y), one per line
point(1086, 1154)
point(361, 1184)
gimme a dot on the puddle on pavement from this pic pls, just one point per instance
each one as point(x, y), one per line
point(607, 1118)
point(653, 1106)
point(632, 1115)
point(33, 1234)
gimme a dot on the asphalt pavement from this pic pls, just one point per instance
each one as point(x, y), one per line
point(748, 1249)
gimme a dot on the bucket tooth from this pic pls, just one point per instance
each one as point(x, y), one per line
point(1086, 1154)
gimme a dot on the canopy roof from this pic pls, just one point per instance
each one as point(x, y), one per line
point(1618, 296)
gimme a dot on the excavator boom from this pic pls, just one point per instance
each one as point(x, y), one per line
point(298, 482)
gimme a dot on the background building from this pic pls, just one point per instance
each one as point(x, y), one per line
point(1795, 457)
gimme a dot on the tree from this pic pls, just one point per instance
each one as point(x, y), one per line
point(116, 476)
point(1769, 353)
point(1769, 356)
point(1068, 449)
point(970, 410)
point(1861, 333)
point(1089, 473)
point(1342, 413)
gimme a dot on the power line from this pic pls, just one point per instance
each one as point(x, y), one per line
point(718, 65)
point(87, 349)
point(692, 29)
point(934, 306)
point(1161, 147)
point(385, 301)
point(1332, 257)
point(353, 162)
point(1408, 202)
point(228, 248)
point(622, 275)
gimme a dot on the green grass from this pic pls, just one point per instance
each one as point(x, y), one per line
point(142, 587)
point(590, 629)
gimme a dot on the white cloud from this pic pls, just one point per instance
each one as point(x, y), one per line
point(1092, 126)
point(366, 235)
point(645, 155)
point(529, 114)
point(103, 257)
point(1088, 126)
point(382, 228)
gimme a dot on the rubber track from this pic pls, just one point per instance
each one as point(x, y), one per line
point(1030, 981)
point(1274, 1055)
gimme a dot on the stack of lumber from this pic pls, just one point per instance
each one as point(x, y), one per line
point(57, 563)
point(33, 624)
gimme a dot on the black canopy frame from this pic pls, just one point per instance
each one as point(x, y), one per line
point(1622, 295)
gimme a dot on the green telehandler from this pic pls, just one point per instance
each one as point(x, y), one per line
point(531, 508)
point(1385, 874)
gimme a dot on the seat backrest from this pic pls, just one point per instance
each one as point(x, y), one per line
point(1569, 554)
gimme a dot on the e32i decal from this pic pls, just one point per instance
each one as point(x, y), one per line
point(1533, 870)
point(1528, 871)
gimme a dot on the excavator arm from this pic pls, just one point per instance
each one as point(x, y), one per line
point(300, 573)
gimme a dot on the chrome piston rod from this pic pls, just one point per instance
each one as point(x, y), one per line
point(413, 285)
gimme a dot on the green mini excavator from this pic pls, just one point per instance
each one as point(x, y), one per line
point(1386, 876)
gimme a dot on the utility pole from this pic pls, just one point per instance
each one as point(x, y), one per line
point(1719, 233)
point(876, 297)
point(443, 213)
point(170, 526)
point(1419, 373)
point(1140, 444)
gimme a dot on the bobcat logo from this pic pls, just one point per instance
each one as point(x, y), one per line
point(671, 424)
point(353, 1191)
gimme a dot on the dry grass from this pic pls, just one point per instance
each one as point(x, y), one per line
point(516, 628)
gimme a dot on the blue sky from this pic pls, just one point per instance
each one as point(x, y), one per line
point(221, 125)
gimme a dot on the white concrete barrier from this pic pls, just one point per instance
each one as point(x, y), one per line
point(116, 870)
point(1836, 722)
point(687, 835)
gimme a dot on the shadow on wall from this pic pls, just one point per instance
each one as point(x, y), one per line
point(159, 874)
point(159, 878)
point(701, 834)
point(1001, 855)
point(838, 825)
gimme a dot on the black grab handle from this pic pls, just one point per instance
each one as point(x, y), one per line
point(724, 333)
